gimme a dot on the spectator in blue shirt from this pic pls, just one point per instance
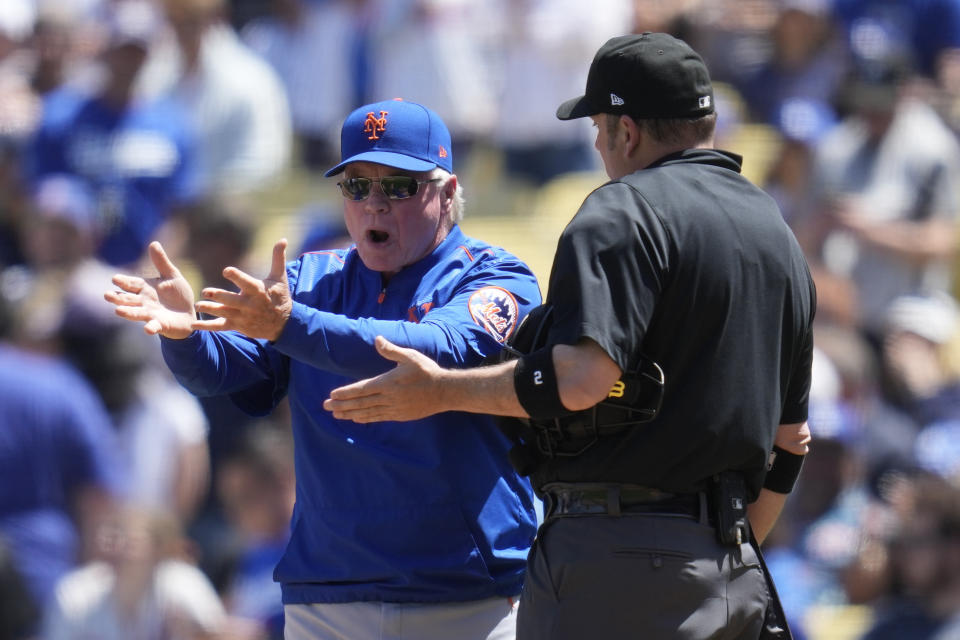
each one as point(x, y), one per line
point(138, 157)
point(58, 472)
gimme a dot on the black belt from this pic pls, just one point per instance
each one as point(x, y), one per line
point(563, 499)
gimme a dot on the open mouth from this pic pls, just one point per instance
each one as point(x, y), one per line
point(377, 237)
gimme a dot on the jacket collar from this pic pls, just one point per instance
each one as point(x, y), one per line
point(715, 157)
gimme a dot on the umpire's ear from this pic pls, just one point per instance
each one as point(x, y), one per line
point(633, 135)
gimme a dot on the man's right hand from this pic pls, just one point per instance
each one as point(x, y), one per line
point(163, 303)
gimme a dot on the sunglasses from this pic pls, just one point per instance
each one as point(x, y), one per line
point(394, 187)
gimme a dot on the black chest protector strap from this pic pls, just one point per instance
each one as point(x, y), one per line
point(632, 400)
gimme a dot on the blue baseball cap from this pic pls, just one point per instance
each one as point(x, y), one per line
point(395, 133)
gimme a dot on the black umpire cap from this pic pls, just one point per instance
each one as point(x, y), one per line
point(648, 75)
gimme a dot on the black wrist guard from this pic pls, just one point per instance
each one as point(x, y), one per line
point(535, 382)
point(782, 470)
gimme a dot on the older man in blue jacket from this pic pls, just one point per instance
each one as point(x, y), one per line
point(400, 530)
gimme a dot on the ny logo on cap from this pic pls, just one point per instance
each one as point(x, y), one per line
point(374, 125)
point(615, 100)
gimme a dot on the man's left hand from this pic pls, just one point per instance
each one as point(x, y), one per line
point(260, 309)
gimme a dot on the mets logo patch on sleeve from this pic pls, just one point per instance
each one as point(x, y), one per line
point(495, 310)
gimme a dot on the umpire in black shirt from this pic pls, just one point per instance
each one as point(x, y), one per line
point(662, 401)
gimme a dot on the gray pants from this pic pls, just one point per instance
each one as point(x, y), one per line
point(492, 619)
point(640, 576)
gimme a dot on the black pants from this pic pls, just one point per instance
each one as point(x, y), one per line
point(640, 576)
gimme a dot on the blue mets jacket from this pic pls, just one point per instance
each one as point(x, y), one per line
point(422, 511)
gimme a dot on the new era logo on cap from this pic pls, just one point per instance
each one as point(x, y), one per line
point(615, 100)
point(704, 102)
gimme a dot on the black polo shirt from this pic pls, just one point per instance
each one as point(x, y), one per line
point(690, 264)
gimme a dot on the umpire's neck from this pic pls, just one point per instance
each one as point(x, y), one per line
point(630, 145)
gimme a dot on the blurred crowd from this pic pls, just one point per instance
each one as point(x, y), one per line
point(129, 508)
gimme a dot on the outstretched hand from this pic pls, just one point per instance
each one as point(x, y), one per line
point(259, 309)
point(164, 303)
point(411, 390)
